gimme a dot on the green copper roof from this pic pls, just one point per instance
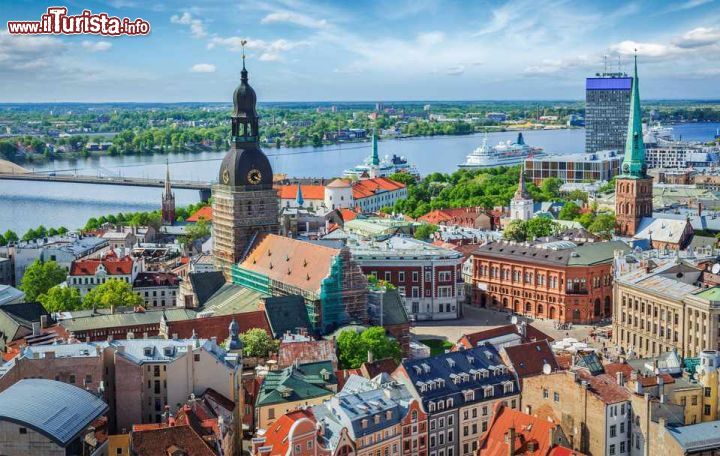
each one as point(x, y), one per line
point(375, 156)
point(633, 164)
point(711, 294)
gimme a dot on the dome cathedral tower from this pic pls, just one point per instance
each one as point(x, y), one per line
point(244, 201)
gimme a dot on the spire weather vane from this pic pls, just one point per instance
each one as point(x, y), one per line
point(243, 43)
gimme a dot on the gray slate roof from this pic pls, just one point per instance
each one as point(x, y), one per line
point(286, 313)
point(57, 410)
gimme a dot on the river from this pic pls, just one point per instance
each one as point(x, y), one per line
point(25, 205)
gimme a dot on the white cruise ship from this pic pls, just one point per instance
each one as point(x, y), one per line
point(373, 166)
point(503, 154)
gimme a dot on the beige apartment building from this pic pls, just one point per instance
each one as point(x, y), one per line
point(663, 308)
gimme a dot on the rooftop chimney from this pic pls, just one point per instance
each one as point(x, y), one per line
point(620, 378)
point(511, 441)
point(370, 357)
point(43, 321)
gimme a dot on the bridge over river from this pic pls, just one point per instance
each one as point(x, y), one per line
point(11, 171)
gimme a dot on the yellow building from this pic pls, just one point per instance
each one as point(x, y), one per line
point(707, 375)
point(289, 389)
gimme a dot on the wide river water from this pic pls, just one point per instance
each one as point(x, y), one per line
point(25, 205)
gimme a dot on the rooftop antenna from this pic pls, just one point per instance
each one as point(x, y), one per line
point(605, 57)
point(619, 65)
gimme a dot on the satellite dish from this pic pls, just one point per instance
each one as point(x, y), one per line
point(715, 268)
point(514, 320)
point(547, 370)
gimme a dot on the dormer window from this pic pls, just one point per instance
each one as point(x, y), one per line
point(388, 415)
point(489, 391)
point(148, 351)
point(168, 351)
point(508, 387)
point(364, 423)
point(451, 363)
point(377, 419)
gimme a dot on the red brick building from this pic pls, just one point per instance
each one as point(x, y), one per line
point(560, 280)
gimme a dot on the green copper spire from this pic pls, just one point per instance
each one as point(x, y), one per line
point(633, 164)
point(375, 157)
point(299, 197)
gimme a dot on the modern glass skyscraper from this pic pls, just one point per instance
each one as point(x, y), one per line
point(607, 107)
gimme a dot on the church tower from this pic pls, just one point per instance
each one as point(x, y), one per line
point(244, 201)
point(633, 187)
point(168, 200)
point(521, 206)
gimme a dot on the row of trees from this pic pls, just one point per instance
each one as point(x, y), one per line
point(485, 188)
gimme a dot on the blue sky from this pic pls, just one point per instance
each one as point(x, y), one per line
point(302, 50)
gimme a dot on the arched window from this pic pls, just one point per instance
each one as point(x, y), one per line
point(608, 306)
point(539, 309)
point(528, 307)
point(596, 308)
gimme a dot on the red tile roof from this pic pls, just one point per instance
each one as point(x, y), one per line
point(217, 326)
point(471, 340)
point(204, 213)
point(369, 187)
point(112, 264)
point(155, 442)
point(309, 191)
point(297, 263)
point(277, 436)
point(527, 429)
point(306, 352)
point(528, 359)
point(605, 387)
point(463, 216)
point(372, 370)
point(348, 214)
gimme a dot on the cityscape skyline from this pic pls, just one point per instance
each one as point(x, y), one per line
point(429, 50)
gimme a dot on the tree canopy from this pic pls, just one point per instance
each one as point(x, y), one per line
point(39, 277)
point(112, 293)
point(61, 299)
point(424, 231)
point(536, 227)
point(258, 343)
point(353, 348)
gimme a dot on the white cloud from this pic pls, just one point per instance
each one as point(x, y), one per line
point(203, 68)
point(197, 28)
point(699, 37)
point(21, 52)
point(455, 70)
point(270, 51)
point(628, 47)
point(690, 4)
point(292, 17)
point(430, 38)
point(96, 46)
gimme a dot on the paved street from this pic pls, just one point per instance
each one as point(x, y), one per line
point(477, 319)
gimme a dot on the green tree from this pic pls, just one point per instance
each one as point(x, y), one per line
point(112, 293)
point(61, 299)
point(515, 231)
point(39, 277)
point(353, 348)
point(550, 187)
point(2, 240)
point(404, 178)
point(541, 226)
point(425, 231)
point(10, 236)
point(258, 343)
point(570, 211)
point(603, 225)
point(198, 230)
